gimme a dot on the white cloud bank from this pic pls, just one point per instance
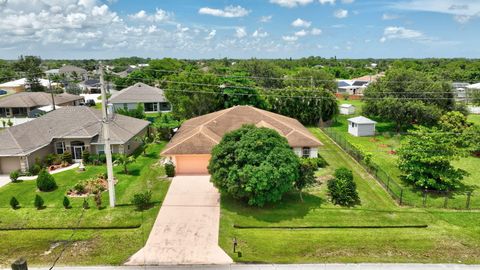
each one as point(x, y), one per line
point(462, 10)
point(227, 12)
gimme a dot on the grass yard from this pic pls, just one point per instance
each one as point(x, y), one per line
point(474, 118)
point(104, 242)
point(451, 236)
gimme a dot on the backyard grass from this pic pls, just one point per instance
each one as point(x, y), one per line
point(112, 235)
point(451, 237)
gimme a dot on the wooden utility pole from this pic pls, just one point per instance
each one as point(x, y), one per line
point(51, 92)
point(106, 139)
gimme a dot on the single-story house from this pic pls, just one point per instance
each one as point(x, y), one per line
point(73, 72)
point(73, 129)
point(347, 109)
point(361, 126)
point(21, 104)
point(151, 98)
point(21, 85)
point(90, 86)
point(191, 146)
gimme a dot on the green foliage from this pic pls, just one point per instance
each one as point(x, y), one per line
point(85, 156)
point(454, 122)
point(85, 204)
point(142, 200)
point(474, 96)
point(471, 139)
point(14, 176)
point(98, 199)
point(67, 157)
point(45, 181)
point(306, 175)
point(243, 96)
point(30, 66)
point(138, 112)
point(52, 159)
point(254, 164)
point(38, 202)
point(170, 169)
point(14, 203)
point(407, 97)
point(425, 160)
point(66, 202)
point(35, 169)
point(266, 73)
point(313, 79)
point(310, 107)
point(342, 188)
point(124, 160)
point(164, 125)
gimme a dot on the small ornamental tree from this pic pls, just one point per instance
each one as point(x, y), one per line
point(45, 181)
point(142, 200)
point(14, 176)
point(169, 169)
point(425, 159)
point(67, 157)
point(66, 202)
point(342, 188)
point(124, 160)
point(306, 175)
point(14, 203)
point(254, 164)
point(38, 202)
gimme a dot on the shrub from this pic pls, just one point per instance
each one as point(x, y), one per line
point(35, 169)
point(85, 204)
point(98, 199)
point(96, 159)
point(142, 200)
point(66, 202)
point(170, 169)
point(342, 188)
point(85, 156)
point(346, 96)
point(45, 181)
point(51, 159)
point(38, 203)
point(14, 203)
point(79, 187)
point(67, 157)
point(14, 176)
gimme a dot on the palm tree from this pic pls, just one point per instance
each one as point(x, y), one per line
point(145, 140)
point(124, 160)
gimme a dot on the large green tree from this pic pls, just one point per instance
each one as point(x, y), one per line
point(312, 78)
point(254, 164)
point(425, 159)
point(29, 66)
point(408, 97)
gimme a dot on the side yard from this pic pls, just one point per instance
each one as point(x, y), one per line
point(107, 236)
point(449, 236)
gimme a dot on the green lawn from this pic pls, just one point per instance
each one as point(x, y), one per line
point(474, 118)
point(88, 246)
point(450, 236)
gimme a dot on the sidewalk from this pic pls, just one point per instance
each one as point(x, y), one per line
point(281, 267)
point(5, 179)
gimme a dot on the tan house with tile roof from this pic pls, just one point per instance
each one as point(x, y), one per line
point(191, 146)
point(73, 129)
point(151, 98)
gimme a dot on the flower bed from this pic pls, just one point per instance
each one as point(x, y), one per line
point(90, 186)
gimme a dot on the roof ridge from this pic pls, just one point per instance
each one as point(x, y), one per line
point(193, 134)
point(208, 136)
point(15, 140)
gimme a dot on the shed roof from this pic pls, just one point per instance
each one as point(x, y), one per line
point(361, 120)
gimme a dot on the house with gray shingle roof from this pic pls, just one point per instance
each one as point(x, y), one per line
point(151, 98)
point(72, 129)
point(191, 146)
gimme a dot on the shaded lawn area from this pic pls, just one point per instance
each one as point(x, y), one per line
point(89, 246)
point(474, 118)
point(450, 236)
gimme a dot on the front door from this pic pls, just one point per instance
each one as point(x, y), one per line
point(77, 152)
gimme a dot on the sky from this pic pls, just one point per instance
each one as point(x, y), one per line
point(101, 29)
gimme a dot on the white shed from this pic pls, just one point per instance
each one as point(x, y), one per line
point(361, 126)
point(347, 109)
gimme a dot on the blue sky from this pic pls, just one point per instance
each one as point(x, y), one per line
point(240, 29)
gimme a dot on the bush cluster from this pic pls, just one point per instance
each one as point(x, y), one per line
point(170, 169)
point(342, 188)
point(142, 200)
point(45, 181)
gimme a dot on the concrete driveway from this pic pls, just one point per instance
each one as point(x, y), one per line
point(186, 228)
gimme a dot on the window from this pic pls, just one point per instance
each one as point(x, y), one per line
point(59, 147)
point(353, 124)
point(151, 107)
point(100, 149)
point(165, 107)
point(306, 152)
point(125, 106)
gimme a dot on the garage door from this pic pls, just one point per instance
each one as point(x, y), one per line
point(192, 164)
point(9, 164)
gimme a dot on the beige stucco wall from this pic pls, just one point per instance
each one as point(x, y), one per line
point(40, 154)
point(9, 164)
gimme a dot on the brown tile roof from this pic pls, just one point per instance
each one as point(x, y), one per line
point(66, 122)
point(36, 99)
point(199, 135)
point(138, 92)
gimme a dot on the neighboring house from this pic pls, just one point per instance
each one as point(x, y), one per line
point(22, 104)
point(73, 129)
point(361, 126)
point(90, 86)
point(347, 109)
point(191, 146)
point(73, 72)
point(356, 86)
point(22, 85)
point(151, 98)
point(460, 90)
point(52, 72)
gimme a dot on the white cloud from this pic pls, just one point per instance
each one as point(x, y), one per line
point(211, 34)
point(301, 33)
point(266, 19)
point(316, 31)
point(240, 32)
point(397, 32)
point(227, 12)
point(259, 33)
point(340, 13)
point(387, 16)
point(290, 38)
point(462, 11)
point(291, 3)
point(301, 23)
point(323, 2)
point(160, 15)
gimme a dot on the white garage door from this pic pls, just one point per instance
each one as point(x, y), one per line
point(192, 164)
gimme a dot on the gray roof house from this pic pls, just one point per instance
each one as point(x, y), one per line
point(72, 129)
point(361, 126)
point(23, 103)
point(151, 98)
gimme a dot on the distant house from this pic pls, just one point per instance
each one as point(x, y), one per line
point(22, 85)
point(22, 104)
point(90, 86)
point(361, 126)
point(347, 109)
point(356, 86)
point(72, 129)
point(52, 72)
point(151, 98)
point(460, 90)
point(73, 72)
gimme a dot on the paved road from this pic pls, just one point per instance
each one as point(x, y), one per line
point(186, 228)
point(285, 267)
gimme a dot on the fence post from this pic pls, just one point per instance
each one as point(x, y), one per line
point(424, 198)
point(469, 194)
point(401, 196)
